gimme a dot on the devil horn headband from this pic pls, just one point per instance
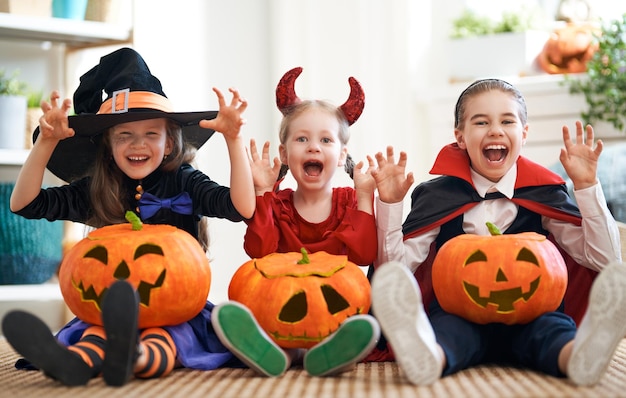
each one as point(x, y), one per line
point(286, 96)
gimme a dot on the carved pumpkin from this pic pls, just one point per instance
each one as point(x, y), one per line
point(569, 49)
point(299, 298)
point(166, 265)
point(508, 279)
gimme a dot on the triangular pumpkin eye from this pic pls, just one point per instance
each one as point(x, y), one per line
point(335, 301)
point(528, 256)
point(99, 253)
point(477, 256)
point(295, 309)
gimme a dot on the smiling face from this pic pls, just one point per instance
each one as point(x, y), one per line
point(312, 148)
point(139, 147)
point(492, 132)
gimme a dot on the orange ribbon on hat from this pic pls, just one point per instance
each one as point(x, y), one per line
point(126, 99)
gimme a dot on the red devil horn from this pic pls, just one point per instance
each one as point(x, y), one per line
point(353, 107)
point(285, 90)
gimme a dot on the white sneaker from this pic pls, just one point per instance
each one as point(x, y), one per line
point(397, 304)
point(602, 327)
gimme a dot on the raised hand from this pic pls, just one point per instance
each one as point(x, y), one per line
point(390, 177)
point(228, 120)
point(53, 124)
point(364, 182)
point(579, 158)
point(264, 173)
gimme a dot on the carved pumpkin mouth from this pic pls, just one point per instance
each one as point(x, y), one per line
point(304, 338)
point(144, 289)
point(503, 299)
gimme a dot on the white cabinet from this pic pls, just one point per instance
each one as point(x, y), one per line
point(40, 48)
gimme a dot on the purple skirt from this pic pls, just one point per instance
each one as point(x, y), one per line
point(196, 342)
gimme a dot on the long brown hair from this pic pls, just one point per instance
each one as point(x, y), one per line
point(107, 190)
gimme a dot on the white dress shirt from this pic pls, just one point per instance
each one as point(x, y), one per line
point(594, 244)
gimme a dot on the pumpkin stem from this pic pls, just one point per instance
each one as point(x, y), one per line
point(493, 230)
point(134, 220)
point(305, 257)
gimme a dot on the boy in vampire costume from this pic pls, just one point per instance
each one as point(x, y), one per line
point(483, 178)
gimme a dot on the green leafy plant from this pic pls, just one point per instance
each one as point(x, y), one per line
point(33, 98)
point(470, 24)
point(604, 85)
point(11, 84)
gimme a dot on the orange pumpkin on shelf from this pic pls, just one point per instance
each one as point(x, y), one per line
point(166, 265)
point(510, 279)
point(300, 298)
point(568, 49)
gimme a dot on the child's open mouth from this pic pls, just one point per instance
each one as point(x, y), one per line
point(495, 153)
point(137, 159)
point(313, 168)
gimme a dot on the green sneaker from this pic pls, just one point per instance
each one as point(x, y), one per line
point(237, 329)
point(344, 348)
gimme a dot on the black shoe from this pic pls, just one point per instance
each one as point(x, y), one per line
point(120, 313)
point(32, 339)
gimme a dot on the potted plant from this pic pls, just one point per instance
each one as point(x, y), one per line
point(604, 89)
point(33, 113)
point(516, 38)
point(604, 84)
point(12, 110)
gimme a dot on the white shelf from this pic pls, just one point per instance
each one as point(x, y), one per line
point(74, 33)
point(36, 292)
point(44, 300)
point(13, 157)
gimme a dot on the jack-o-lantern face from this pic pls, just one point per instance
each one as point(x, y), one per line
point(299, 303)
point(166, 265)
point(508, 279)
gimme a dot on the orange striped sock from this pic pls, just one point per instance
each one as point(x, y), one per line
point(159, 347)
point(90, 348)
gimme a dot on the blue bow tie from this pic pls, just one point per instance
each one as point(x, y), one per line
point(150, 204)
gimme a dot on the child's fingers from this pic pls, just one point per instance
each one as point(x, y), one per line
point(67, 105)
point(599, 147)
point(567, 140)
point(380, 159)
point(403, 159)
point(589, 139)
point(266, 150)
point(254, 154)
point(220, 96)
point(277, 164)
point(390, 156)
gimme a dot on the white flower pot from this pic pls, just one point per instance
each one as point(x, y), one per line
point(499, 55)
point(12, 121)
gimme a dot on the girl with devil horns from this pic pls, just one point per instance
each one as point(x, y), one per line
point(316, 216)
point(130, 151)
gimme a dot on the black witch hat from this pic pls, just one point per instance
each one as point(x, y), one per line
point(132, 94)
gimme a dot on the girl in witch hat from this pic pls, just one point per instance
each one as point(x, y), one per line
point(126, 152)
point(316, 216)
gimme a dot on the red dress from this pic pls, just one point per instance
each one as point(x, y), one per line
point(278, 228)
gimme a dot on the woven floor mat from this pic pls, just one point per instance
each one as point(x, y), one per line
point(366, 380)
